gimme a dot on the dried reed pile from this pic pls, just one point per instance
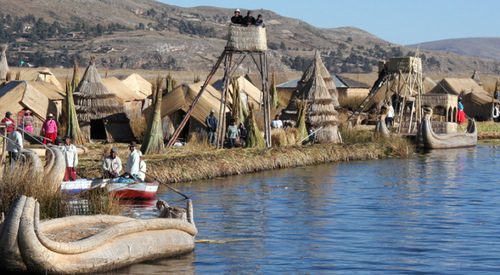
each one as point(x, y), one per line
point(153, 140)
point(170, 82)
point(254, 138)
point(284, 137)
point(239, 111)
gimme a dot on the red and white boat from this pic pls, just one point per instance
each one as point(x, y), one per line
point(139, 190)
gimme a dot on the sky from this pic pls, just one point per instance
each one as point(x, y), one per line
point(397, 21)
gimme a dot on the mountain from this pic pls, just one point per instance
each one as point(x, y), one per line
point(485, 47)
point(145, 34)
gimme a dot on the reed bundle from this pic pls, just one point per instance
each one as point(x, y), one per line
point(254, 138)
point(4, 66)
point(274, 91)
point(72, 125)
point(153, 140)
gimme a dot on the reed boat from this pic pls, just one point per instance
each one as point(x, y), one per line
point(431, 140)
point(84, 244)
point(139, 190)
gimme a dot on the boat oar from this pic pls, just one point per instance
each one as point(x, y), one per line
point(169, 187)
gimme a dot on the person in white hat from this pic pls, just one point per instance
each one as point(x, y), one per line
point(211, 127)
point(141, 176)
point(49, 129)
point(237, 18)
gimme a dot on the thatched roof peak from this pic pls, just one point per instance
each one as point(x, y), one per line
point(93, 100)
point(3, 48)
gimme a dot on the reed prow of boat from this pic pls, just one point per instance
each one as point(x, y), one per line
point(431, 140)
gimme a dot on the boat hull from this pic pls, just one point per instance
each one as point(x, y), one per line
point(140, 190)
point(431, 140)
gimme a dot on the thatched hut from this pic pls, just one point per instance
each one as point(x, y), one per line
point(100, 114)
point(176, 103)
point(138, 84)
point(251, 96)
point(320, 109)
point(4, 67)
point(132, 101)
point(289, 115)
point(16, 96)
point(38, 74)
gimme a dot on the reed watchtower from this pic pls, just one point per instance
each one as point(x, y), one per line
point(243, 42)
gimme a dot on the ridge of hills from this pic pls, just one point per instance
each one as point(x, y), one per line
point(484, 47)
point(145, 34)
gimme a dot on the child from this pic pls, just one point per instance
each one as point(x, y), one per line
point(260, 21)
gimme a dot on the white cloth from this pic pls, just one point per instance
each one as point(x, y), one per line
point(133, 163)
point(142, 171)
point(15, 142)
point(112, 165)
point(277, 123)
point(70, 155)
point(495, 112)
point(390, 114)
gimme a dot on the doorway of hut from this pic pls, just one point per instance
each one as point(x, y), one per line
point(97, 129)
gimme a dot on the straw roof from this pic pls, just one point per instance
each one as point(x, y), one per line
point(138, 84)
point(252, 95)
point(318, 65)
point(93, 100)
point(457, 86)
point(320, 110)
point(17, 95)
point(122, 91)
point(4, 67)
point(48, 89)
point(37, 74)
point(182, 97)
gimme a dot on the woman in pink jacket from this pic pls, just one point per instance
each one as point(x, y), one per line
point(49, 129)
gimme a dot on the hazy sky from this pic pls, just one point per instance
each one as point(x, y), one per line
point(397, 21)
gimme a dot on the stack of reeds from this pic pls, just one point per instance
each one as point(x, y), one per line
point(239, 111)
point(72, 125)
point(170, 82)
point(254, 138)
point(301, 119)
point(4, 66)
point(153, 140)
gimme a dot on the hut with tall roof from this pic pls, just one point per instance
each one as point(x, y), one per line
point(4, 66)
point(100, 114)
point(289, 114)
point(320, 108)
point(251, 96)
point(138, 84)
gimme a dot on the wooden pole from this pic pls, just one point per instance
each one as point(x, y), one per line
point(175, 135)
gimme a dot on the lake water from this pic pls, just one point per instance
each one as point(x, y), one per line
point(436, 213)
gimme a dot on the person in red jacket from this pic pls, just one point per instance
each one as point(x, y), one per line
point(11, 125)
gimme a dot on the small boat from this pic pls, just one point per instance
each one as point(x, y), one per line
point(134, 190)
point(431, 140)
point(89, 244)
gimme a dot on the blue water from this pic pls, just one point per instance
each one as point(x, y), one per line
point(435, 213)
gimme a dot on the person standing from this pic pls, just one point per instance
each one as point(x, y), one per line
point(211, 127)
point(71, 157)
point(49, 129)
point(232, 133)
point(248, 20)
point(9, 121)
point(460, 112)
point(389, 119)
point(133, 160)
point(277, 123)
point(141, 175)
point(237, 18)
point(242, 133)
point(111, 165)
point(312, 134)
point(14, 146)
point(27, 121)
